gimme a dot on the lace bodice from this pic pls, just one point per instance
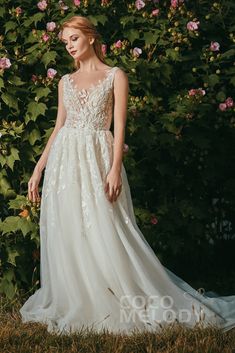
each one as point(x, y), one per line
point(91, 108)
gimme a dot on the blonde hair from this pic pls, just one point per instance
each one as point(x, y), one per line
point(87, 27)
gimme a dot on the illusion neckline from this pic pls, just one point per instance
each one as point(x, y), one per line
point(93, 86)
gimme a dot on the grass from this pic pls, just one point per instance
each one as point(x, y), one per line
point(19, 337)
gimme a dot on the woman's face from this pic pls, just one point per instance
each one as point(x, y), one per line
point(76, 43)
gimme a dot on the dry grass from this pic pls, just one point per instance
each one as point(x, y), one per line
point(19, 337)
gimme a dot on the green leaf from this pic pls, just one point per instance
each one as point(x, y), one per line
point(18, 129)
point(151, 37)
point(25, 226)
point(34, 110)
point(10, 160)
point(15, 153)
point(35, 18)
point(213, 80)
point(15, 80)
point(33, 48)
point(10, 25)
point(13, 224)
point(1, 83)
point(172, 54)
point(132, 35)
point(42, 92)
point(12, 256)
point(2, 11)
point(126, 19)
point(5, 185)
point(34, 136)
point(17, 203)
point(49, 57)
point(2, 160)
point(228, 54)
point(98, 19)
point(10, 291)
point(12, 36)
point(221, 96)
point(10, 101)
point(9, 225)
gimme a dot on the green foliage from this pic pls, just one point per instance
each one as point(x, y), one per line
point(180, 162)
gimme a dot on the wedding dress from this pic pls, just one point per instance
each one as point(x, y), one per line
point(97, 269)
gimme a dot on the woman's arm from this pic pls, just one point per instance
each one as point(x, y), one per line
point(121, 90)
point(61, 115)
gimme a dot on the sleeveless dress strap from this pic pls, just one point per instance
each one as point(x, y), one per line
point(112, 74)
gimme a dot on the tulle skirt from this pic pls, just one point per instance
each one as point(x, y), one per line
point(97, 270)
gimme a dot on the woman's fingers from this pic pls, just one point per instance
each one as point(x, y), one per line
point(33, 193)
point(117, 193)
point(29, 195)
point(111, 192)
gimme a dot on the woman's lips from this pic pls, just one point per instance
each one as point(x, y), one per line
point(73, 52)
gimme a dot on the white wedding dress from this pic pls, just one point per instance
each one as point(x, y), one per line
point(97, 269)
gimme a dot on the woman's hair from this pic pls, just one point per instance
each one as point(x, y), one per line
point(85, 25)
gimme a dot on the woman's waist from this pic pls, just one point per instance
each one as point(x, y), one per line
point(88, 123)
point(78, 129)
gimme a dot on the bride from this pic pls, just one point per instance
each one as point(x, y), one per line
point(96, 268)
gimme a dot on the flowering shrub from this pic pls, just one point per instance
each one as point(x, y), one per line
point(180, 143)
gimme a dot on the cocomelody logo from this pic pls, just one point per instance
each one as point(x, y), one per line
point(155, 309)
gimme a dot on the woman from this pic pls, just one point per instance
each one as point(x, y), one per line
point(97, 269)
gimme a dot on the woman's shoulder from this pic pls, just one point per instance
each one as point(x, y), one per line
point(120, 73)
point(64, 76)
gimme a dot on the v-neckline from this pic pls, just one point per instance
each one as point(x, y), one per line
point(93, 86)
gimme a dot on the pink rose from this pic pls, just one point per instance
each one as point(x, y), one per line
point(155, 12)
point(5, 63)
point(19, 10)
point(104, 49)
point(201, 91)
point(125, 148)
point(154, 220)
point(118, 44)
point(62, 5)
point(77, 2)
point(192, 92)
point(229, 102)
point(34, 78)
point(192, 25)
point(51, 26)
point(176, 3)
point(42, 5)
point(222, 107)
point(139, 4)
point(137, 51)
point(214, 46)
point(51, 73)
point(45, 37)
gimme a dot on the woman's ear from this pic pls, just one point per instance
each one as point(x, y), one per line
point(92, 41)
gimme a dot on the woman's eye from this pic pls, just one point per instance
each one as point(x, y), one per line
point(72, 40)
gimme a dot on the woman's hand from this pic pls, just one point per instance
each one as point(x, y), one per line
point(33, 193)
point(113, 185)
